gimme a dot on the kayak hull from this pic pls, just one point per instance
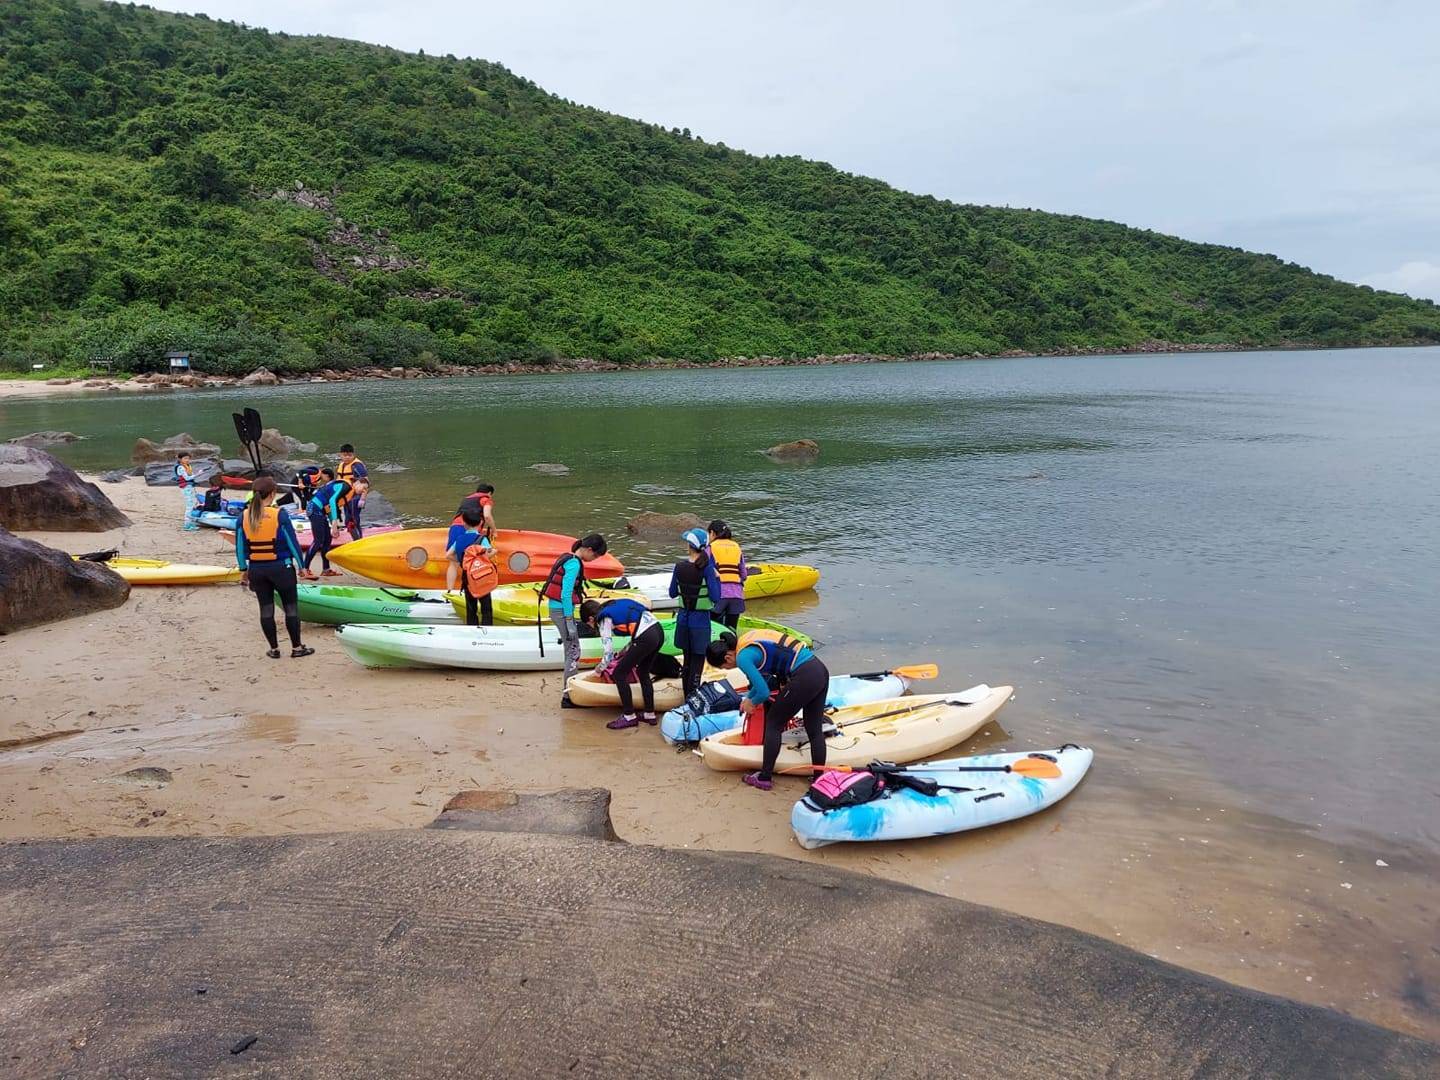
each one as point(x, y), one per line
point(333, 605)
point(159, 572)
point(907, 815)
point(302, 533)
point(589, 690)
point(415, 558)
point(679, 726)
point(765, 580)
point(929, 724)
point(518, 604)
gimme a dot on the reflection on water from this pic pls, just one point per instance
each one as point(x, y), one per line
point(1221, 563)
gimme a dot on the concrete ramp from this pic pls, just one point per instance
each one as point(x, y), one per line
point(450, 952)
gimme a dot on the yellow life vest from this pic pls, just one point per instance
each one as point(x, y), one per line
point(261, 539)
point(726, 554)
point(346, 471)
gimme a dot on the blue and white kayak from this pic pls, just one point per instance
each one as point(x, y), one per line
point(903, 814)
point(218, 519)
point(680, 725)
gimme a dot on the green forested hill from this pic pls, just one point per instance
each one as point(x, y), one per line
point(149, 197)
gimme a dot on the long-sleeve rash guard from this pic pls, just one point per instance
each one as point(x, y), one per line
point(287, 545)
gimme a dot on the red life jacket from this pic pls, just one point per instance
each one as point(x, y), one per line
point(482, 499)
point(556, 579)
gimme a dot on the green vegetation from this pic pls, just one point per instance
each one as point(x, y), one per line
point(141, 155)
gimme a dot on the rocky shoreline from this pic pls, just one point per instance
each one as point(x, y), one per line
point(582, 365)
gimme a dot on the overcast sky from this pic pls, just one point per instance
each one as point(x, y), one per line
point(1305, 128)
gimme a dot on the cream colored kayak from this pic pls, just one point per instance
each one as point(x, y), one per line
point(517, 605)
point(589, 690)
point(897, 729)
point(159, 572)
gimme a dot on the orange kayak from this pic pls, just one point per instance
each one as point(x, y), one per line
point(415, 558)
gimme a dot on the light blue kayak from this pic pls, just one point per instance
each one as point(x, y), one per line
point(683, 726)
point(903, 814)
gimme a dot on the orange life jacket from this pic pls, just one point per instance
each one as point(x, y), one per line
point(346, 471)
point(727, 557)
point(780, 650)
point(261, 540)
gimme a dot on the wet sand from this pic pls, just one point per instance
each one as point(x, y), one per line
point(177, 679)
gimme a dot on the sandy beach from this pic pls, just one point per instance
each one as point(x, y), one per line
point(177, 680)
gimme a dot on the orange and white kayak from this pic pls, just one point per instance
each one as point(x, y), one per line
point(415, 558)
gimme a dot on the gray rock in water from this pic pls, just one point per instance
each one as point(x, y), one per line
point(275, 445)
point(46, 438)
point(38, 491)
point(550, 468)
point(653, 526)
point(238, 467)
point(799, 450)
point(145, 452)
point(39, 584)
point(389, 467)
point(379, 510)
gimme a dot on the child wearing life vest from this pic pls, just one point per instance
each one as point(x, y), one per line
point(730, 568)
point(633, 620)
point(326, 509)
point(185, 481)
point(767, 656)
point(214, 500)
point(564, 588)
point(352, 470)
point(696, 585)
point(482, 499)
point(479, 610)
point(267, 553)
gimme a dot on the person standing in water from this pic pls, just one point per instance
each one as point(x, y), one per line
point(267, 553)
point(351, 470)
point(482, 499)
point(564, 587)
point(696, 585)
point(325, 509)
point(767, 656)
point(633, 620)
point(185, 480)
point(730, 568)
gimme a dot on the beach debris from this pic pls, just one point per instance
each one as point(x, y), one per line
point(38, 491)
point(146, 776)
point(550, 468)
point(662, 526)
point(46, 438)
point(797, 450)
point(244, 1044)
point(1381, 862)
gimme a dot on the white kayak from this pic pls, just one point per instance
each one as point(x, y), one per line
point(993, 796)
point(681, 725)
point(486, 648)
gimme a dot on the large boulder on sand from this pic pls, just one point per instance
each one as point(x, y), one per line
point(799, 450)
point(38, 491)
point(145, 451)
point(39, 584)
point(46, 438)
point(653, 526)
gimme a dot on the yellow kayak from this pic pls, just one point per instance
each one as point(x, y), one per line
point(159, 572)
point(765, 579)
point(896, 729)
point(517, 605)
point(589, 690)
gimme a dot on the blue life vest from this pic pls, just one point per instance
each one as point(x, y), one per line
point(624, 615)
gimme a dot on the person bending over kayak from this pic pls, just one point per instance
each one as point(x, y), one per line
point(765, 656)
point(352, 470)
point(462, 538)
point(564, 587)
point(633, 620)
point(325, 510)
point(730, 568)
point(268, 553)
point(695, 583)
point(482, 499)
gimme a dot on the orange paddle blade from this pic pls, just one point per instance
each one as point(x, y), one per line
point(1040, 768)
point(917, 671)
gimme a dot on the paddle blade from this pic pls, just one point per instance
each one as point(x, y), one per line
point(241, 433)
point(1040, 768)
point(917, 671)
point(253, 427)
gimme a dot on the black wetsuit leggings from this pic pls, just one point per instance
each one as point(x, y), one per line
point(639, 657)
point(267, 579)
point(804, 694)
point(479, 611)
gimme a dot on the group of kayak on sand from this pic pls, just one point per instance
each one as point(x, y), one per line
point(708, 583)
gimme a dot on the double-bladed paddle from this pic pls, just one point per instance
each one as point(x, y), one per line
point(1040, 766)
